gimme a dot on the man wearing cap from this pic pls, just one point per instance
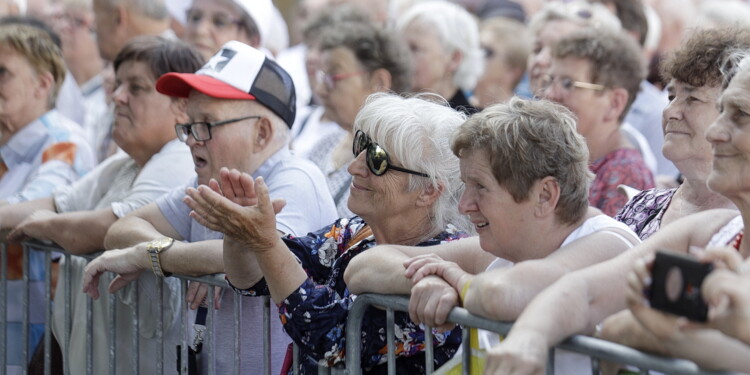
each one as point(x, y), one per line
point(241, 106)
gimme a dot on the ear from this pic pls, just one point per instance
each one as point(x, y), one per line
point(381, 80)
point(121, 15)
point(264, 134)
point(618, 99)
point(45, 85)
point(178, 108)
point(547, 193)
point(456, 58)
point(430, 194)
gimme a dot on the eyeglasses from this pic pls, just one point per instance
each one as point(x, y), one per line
point(330, 80)
point(568, 84)
point(201, 131)
point(218, 20)
point(377, 158)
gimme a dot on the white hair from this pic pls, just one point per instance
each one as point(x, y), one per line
point(723, 13)
point(735, 62)
point(417, 131)
point(580, 12)
point(457, 30)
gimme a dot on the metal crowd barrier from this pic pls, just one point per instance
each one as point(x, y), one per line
point(592, 347)
point(64, 286)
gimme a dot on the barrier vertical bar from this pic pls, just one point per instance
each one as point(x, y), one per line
point(390, 336)
point(295, 359)
point(25, 311)
point(112, 324)
point(209, 344)
point(466, 353)
point(47, 312)
point(3, 304)
point(236, 334)
point(89, 337)
point(185, 330)
point(135, 337)
point(266, 335)
point(160, 325)
point(67, 313)
point(429, 356)
point(551, 362)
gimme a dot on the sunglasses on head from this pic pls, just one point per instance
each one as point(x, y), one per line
point(376, 157)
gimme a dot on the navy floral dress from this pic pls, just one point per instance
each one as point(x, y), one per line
point(315, 315)
point(644, 212)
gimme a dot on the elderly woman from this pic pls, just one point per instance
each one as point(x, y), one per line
point(525, 170)
point(694, 84)
point(444, 42)
point(357, 59)
point(40, 150)
point(153, 163)
point(404, 191)
point(211, 23)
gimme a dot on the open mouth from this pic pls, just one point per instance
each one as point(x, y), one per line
point(482, 225)
point(199, 161)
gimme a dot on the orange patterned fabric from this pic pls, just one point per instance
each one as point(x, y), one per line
point(63, 151)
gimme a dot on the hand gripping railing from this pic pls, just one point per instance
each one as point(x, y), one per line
point(592, 347)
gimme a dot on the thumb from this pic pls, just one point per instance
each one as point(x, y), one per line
point(264, 200)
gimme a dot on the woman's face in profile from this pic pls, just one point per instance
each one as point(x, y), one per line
point(499, 220)
point(730, 138)
point(22, 91)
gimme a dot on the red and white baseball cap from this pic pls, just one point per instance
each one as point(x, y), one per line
point(238, 71)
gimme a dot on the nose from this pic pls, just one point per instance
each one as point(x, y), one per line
point(358, 167)
point(467, 204)
point(119, 96)
point(552, 93)
point(672, 111)
point(717, 131)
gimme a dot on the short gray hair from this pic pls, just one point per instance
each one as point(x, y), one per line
point(580, 12)
point(457, 30)
point(417, 131)
point(155, 9)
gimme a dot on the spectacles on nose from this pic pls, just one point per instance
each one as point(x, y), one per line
point(329, 80)
point(218, 20)
point(201, 131)
point(568, 84)
point(376, 157)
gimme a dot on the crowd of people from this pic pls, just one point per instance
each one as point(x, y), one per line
point(528, 161)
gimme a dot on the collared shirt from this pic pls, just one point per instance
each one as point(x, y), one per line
point(309, 206)
point(47, 153)
point(98, 120)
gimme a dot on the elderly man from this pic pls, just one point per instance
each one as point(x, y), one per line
point(118, 21)
point(241, 105)
point(596, 75)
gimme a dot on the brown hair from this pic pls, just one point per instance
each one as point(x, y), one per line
point(527, 140)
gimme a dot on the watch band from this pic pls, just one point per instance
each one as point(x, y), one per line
point(154, 249)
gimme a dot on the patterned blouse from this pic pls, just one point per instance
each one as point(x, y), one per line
point(623, 166)
point(644, 212)
point(315, 315)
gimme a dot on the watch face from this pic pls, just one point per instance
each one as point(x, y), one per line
point(160, 243)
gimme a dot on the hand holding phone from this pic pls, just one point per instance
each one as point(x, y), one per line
point(676, 285)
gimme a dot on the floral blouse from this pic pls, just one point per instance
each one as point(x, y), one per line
point(644, 212)
point(315, 315)
point(622, 166)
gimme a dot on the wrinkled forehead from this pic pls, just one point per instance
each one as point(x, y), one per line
point(200, 104)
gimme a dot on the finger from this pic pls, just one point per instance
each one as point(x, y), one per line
point(248, 185)
point(264, 200)
point(200, 296)
point(413, 305)
point(208, 224)
point(444, 307)
point(723, 257)
point(426, 270)
point(414, 264)
point(278, 205)
point(214, 185)
point(17, 234)
point(226, 183)
point(91, 281)
point(218, 291)
point(117, 283)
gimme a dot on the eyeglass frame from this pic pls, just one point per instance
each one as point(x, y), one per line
point(329, 80)
point(548, 80)
point(368, 144)
point(190, 126)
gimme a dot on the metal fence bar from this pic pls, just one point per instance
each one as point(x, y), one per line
point(295, 358)
point(47, 312)
point(185, 331)
point(390, 337)
point(429, 364)
point(266, 334)
point(135, 337)
point(89, 337)
point(25, 311)
point(67, 325)
point(3, 304)
point(112, 324)
point(209, 344)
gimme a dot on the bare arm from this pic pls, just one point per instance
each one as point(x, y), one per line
point(503, 294)
point(78, 232)
point(381, 269)
point(12, 215)
point(141, 225)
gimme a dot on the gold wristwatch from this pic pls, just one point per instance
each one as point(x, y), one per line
point(156, 247)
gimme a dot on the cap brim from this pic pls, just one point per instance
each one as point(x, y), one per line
point(180, 84)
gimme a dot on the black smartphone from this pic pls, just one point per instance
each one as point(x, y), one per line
point(676, 285)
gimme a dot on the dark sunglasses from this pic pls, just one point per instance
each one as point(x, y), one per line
point(377, 158)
